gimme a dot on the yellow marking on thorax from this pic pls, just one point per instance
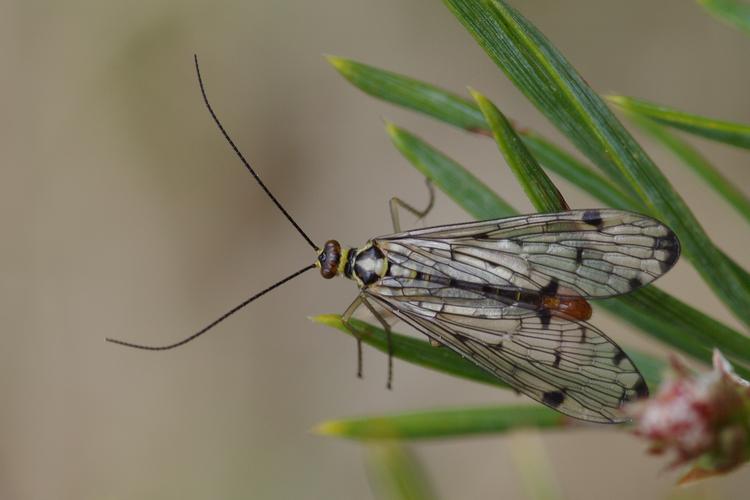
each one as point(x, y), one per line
point(343, 260)
point(383, 270)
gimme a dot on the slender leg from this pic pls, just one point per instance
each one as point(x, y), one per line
point(397, 202)
point(388, 337)
point(345, 319)
point(419, 214)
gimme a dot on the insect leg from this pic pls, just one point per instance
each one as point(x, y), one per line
point(419, 214)
point(388, 337)
point(345, 319)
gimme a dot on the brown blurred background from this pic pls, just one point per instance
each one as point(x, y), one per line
point(125, 214)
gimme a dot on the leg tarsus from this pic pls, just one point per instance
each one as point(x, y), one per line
point(359, 358)
point(388, 336)
point(395, 203)
point(345, 319)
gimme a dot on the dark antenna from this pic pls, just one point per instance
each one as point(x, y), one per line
point(273, 198)
point(244, 161)
point(213, 323)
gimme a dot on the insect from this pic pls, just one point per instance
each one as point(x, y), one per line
point(509, 294)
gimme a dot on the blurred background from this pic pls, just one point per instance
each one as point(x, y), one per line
point(125, 214)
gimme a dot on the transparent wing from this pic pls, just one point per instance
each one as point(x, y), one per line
point(588, 253)
point(567, 365)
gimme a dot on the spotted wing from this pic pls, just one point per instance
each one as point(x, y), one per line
point(567, 365)
point(589, 253)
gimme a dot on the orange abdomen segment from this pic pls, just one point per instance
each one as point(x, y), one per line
point(575, 307)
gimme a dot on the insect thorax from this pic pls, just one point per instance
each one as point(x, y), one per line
point(365, 265)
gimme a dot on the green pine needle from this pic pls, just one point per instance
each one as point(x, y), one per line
point(444, 423)
point(735, 134)
point(538, 187)
point(732, 12)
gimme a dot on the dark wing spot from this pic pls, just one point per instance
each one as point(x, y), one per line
point(545, 316)
point(635, 283)
point(641, 389)
point(593, 218)
point(619, 357)
point(553, 398)
point(579, 255)
point(558, 358)
point(582, 340)
point(550, 289)
point(671, 245)
point(667, 242)
point(666, 265)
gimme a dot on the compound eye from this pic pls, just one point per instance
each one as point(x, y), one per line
point(329, 259)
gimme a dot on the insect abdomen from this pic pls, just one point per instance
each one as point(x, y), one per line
point(575, 307)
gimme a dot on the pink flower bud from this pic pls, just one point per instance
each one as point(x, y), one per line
point(702, 418)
